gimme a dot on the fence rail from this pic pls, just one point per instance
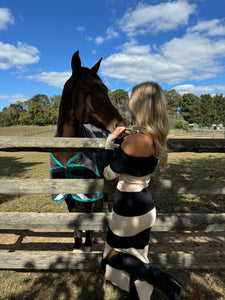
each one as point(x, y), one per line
point(42, 144)
point(99, 221)
point(85, 186)
point(198, 133)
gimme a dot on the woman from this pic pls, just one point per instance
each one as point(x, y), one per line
point(125, 259)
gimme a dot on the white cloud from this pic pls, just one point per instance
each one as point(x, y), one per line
point(155, 18)
point(17, 56)
point(190, 88)
point(220, 88)
point(110, 34)
point(56, 79)
point(209, 28)
point(80, 28)
point(6, 18)
point(135, 64)
point(99, 40)
point(198, 55)
point(200, 90)
point(191, 57)
point(13, 98)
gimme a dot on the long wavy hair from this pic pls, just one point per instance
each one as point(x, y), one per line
point(148, 106)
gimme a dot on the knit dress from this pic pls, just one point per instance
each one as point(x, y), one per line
point(133, 213)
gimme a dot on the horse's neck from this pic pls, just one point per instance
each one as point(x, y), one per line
point(71, 127)
point(71, 130)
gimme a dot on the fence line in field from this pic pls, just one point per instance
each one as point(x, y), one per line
point(198, 133)
point(98, 221)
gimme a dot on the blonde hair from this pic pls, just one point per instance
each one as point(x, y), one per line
point(148, 106)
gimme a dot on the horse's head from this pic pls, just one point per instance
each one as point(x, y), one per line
point(86, 98)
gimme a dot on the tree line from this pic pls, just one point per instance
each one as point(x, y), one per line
point(183, 110)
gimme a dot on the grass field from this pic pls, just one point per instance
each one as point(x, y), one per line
point(26, 130)
point(207, 285)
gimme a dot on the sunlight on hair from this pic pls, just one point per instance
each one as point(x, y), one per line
point(148, 106)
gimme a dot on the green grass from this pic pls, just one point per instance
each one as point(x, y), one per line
point(199, 285)
point(25, 130)
point(88, 286)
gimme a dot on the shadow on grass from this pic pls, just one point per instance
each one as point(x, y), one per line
point(197, 167)
point(194, 167)
point(88, 285)
point(83, 285)
point(12, 167)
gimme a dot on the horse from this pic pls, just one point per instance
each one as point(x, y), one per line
point(85, 110)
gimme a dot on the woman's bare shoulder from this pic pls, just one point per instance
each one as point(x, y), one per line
point(138, 145)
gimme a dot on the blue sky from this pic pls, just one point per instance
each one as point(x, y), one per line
point(179, 44)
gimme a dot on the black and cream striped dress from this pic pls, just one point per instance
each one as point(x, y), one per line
point(133, 212)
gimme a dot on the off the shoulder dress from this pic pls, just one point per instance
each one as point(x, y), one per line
point(133, 213)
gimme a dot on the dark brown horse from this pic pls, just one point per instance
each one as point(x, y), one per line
point(84, 101)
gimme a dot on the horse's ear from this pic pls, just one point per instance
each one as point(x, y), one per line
point(96, 66)
point(76, 63)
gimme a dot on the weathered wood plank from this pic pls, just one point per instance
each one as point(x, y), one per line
point(187, 186)
point(91, 261)
point(43, 144)
point(196, 145)
point(56, 186)
point(99, 221)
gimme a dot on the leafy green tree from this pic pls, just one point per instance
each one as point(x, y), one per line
point(51, 115)
point(24, 118)
point(196, 112)
point(173, 102)
point(120, 100)
point(187, 107)
point(219, 109)
point(52, 111)
point(18, 109)
point(180, 124)
point(8, 115)
point(36, 108)
point(4, 117)
point(207, 110)
point(55, 101)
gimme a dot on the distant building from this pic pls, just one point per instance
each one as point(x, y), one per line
point(194, 126)
point(217, 126)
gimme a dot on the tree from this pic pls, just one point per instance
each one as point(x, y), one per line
point(24, 118)
point(36, 107)
point(8, 115)
point(219, 109)
point(173, 102)
point(52, 111)
point(120, 99)
point(4, 118)
point(187, 107)
point(55, 101)
point(180, 124)
point(207, 110)
point(196, 112)
point(18, 109)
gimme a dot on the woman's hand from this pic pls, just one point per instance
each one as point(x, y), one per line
point(121, 130)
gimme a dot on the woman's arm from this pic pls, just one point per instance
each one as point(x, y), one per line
point(109, 152)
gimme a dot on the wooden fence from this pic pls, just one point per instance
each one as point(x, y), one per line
point(98, 221)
